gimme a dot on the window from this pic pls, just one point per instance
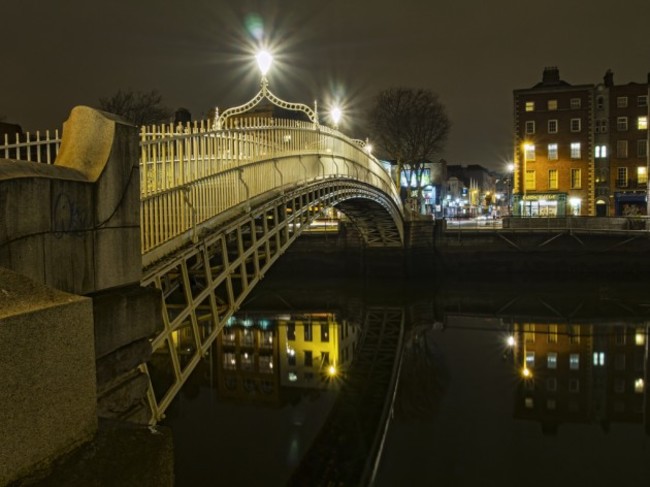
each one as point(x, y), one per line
point(639, 337)
point(619, 336)
point(529, 332)
point(621, 124)
point(641, 148)
point(576, 103)
point(325, 358)
point(550, 404)
point(599, 359)
point(551, 384)
point(642, 123)
point(574, 361)
point(621, 177)
point(551, 360)
point(574, 385)
point(530, 359)
point(530, 127)
point(552, 334)
point(529, 152)
point(528, 402)
point(324, 332)
point(291, 331)
point(552, 152)
point(530, 179)
point(639, 386)
point(621, 102)
point(530, 106)
point(642, 175)
point(575, 150)
point(576, 178)
point(642, 101)
point(552, 105)
point(266, 364)
point(619, 362)
point(308, 336)
point(601, 151)
point(621, 148)
point(600, 103)
point(576, 125)
point(601, 125)
point(291, 357)
point(552, 126)
point(309, 358)
point(619, 385)
point(229, 361)
point(552, 179)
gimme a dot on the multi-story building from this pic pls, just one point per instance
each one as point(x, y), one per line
point(470, 190)
point(580, 149)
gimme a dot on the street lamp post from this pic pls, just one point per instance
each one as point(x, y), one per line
point(511, 169)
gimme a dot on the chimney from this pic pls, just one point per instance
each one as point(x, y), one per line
point(609, 78)
point(551, 76)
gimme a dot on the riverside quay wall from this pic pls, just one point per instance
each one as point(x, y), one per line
point(569, 246)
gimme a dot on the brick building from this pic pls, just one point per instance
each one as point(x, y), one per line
point(580, 149)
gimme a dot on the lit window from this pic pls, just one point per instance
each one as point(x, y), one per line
point(552, 152)
point(529, 403)
point(552, 126)
point(530, 179)
point(574, 361)
point(529, 332)
point(551, 360)
point(552, 105)
point(642, 175)
point(639, 386)
point(552, 181)
point(642, 123)
point(530, 127)
point(621, 124)
point(324, 332)
point(530, 106)
point(293, 377)
point(575, 150)
point(601, 151)
point(621, 102)
point(576, 178)
point(639, 336)
point(641, 148)
point(529, 152)
point(599, 358)
point(552, 329)
point(621, 148)
point(576, 125)
point(576, 103)
point(642, 101)
point(530, 359)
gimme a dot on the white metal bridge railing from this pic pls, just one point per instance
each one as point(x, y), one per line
point(190, 177)
point(191, 173)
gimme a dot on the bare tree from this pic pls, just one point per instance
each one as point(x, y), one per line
point(137, 107)
point(411, 127)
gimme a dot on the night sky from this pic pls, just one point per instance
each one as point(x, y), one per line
point(199, 53)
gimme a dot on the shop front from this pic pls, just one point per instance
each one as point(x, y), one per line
point(630, 204)
point(543, 205)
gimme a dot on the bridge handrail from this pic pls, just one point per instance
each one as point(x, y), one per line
point(181, 169)
point(39, 147)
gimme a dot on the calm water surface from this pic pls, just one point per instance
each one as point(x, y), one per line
point(565, 403)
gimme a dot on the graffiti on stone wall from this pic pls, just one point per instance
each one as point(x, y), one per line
point(68, 217)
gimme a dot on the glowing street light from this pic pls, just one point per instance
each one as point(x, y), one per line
point(264, 61)
point(335, 115)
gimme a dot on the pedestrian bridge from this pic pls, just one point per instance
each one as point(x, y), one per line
point(218, 205)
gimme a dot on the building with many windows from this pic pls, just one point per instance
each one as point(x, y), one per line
point(580, 149)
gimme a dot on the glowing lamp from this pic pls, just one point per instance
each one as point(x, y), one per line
point(264, 60)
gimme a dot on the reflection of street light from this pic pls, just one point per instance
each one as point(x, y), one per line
point(511, 170)
point(335, 115)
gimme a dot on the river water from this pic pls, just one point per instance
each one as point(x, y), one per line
point(501, 383)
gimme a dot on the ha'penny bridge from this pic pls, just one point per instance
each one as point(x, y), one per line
point(167, 229)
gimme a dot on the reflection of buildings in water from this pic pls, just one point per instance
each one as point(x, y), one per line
point(257, 355)
point(581, 373)
point(313, 346)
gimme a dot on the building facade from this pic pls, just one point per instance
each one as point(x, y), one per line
point(580, 150)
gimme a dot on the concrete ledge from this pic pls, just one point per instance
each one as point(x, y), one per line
point(47, 359)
